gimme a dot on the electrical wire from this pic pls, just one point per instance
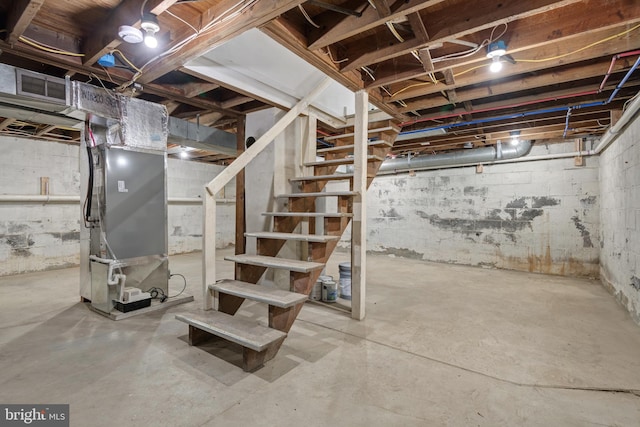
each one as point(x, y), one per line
point(606, 39)
point(45, 48)
point(369, 72)
point(333, 60)
point(230, 13)
point(158, 293)
point(182, 20)
point(306, 15)
point(465, 54)
point(126, 60)
point(393, 30)
point(183, 288)
point(144, 3)
point(92, 75)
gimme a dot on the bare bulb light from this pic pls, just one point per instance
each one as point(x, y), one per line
point(496, 65)
point(150, 40)
point(150, 26)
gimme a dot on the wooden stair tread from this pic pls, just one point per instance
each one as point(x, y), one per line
point(292, 236)
point(246, 333)
point(272, 296)
point(310, 214)
point(350, 147)
point(273, 262)
point(318, 194)
point(345, 161)
point(335, 177)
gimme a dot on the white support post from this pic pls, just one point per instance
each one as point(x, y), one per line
point(218, 183)
point(359, 223)
point(209, 248)
point(308, 152)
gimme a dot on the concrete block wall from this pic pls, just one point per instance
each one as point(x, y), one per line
point(620, 218)
point(187, 179)
point(540, 216)
point(37, 237)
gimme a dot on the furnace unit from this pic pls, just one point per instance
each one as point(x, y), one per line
point(124, 243)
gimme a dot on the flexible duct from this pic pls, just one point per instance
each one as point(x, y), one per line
point(456, 158)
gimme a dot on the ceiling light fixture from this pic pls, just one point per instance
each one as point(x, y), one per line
point(495, 51)
point(130, 34)
point(150, 26)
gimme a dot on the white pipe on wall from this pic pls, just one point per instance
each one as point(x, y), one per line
point(21, 198)
point(614, 131)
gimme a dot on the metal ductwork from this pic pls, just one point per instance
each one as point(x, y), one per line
point(456, 158)
point(35, 97)
point(39, 98)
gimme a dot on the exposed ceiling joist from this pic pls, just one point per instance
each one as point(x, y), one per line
point(20, 16)
point(351, 26)
point(105, 38)
point(258, 14)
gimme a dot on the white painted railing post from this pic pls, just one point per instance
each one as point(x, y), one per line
point(359, 224)
point(209, 248)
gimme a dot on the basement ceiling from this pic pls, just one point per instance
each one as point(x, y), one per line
point(423, 62)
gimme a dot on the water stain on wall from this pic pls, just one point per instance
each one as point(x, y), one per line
point(588, 201)
point(390, 214)
point(586, 236)
point(67, 236)
point(20, 244)
point(475, 191)
point(519, 203)
point(540, 202)
point(401, 252)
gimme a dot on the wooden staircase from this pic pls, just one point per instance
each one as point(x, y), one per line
point(261, 343)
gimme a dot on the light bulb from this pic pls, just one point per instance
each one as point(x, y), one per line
point(496, 65)
point(150, 39)
point(150, 26)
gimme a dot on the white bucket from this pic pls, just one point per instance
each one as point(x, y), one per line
point(345, 280)
point(316, 291)
point(329, 291)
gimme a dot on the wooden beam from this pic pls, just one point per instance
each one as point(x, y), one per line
point(370, 19)
point(197, 88)
point(288, 36)
point(359, 221)
point(6, 123)
point(20, 15)
point(425, 58)
point(241, 218)
point(474, 76)
point(105, 38)
point(580, 26)
point(207, 119)
point(500, 87)
point(171, 105)
point(419, 31)
point(382, 7)
point(234, 102)
point(46, 129)
point(258, 14)
point(446, 25)
point(226, 175)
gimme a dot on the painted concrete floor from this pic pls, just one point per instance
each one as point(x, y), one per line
point(441, 345)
